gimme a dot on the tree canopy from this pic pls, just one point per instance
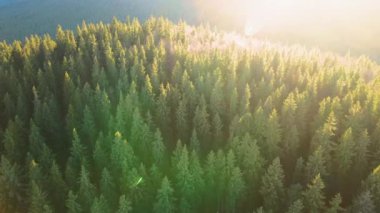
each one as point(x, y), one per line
point(164, 117)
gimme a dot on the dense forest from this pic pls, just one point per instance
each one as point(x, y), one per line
point(20, 18)
point(164, 117)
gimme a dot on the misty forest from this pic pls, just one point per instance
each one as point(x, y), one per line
point(165, 117)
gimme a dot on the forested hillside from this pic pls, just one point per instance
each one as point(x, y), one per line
point(20, 18)
point(163, 117)
point(330, 27)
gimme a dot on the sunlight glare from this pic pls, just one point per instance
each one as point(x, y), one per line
point(251, 29)
point(280, 15)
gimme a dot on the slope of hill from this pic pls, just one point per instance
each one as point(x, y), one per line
point(357, 29)
point(163, 117)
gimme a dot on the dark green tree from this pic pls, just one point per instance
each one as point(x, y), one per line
point(165, 201)
point(72, 204)
point(314, 196)
point(272, 188)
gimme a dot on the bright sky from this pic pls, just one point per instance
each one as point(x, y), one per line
point(267, 13)
point(354, 24)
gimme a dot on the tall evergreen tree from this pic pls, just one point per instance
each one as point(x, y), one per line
point(272, 188)
point(313, 196)
point(165, 198)
point(72, 204)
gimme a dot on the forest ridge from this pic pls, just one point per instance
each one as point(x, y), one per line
point(164, 117)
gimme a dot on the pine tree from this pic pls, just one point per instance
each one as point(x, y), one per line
point(298, 173)
point(323, 136)
point(251, 163)
point(77, 158)
point(38, 202)
point(184, 183)
point(14, 140)
point(38, 148)
point(165, 198)
point(259, 124)
point(11, 186)
point(335, 204)
point(364, 203)
point(246, 100)
point(296, 207)
point(197, 172)
point(107, 188)
point(217, 98)
point(194, 142)
point(272, 135)
point(372, 183)
point(162, 111)
point(201, 122)
point(217, 129)
point(141, 135)
point(57, 188)
point(147, 94)
point(89, 130)
point(345, 152)
point(122, 156)
point(272, 189)
point(313, 196)
point(101, 153)
point(100, 205)
point(86, 191)
point(315, 165)
point(72, 204)
point(124, 205)
point(211, 175)
point(360, 165)
point(233, 105)
point(158, 148)
point(235, 185)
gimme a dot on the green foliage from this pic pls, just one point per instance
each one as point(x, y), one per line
point(124, 205)
point(72, 204)
point(314, 196)
point(272, 188)
point(335, 203)
point(165, 198)
point(11, 186)
point(38, 200)
point(296, 207)
point(101, 119)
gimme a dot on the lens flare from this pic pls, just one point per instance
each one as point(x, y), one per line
point(251, 28)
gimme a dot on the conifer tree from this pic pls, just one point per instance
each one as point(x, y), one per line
point(72, 204)
point(272, 188)
point(57, 188)
point(124, 205)
point(335, 204)
point(272, 136)
point(364, 203)
point(201, 122)
point(11, 186)
point(235, 185)
point(100, 205)
point(165, 198)
point(313, 196)
point(296, 207)
point(38, 202)
point(86, 190)
point(107, 189)
point(158, 148)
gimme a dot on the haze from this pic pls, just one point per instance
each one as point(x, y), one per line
point(333, 25)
